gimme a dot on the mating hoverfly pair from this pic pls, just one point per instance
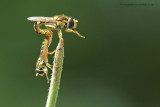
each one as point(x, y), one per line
point(59, 22)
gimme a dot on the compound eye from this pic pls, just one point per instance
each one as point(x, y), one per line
point(40, 71)
point(70, 23)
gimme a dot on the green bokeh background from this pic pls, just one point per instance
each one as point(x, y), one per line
point(117, 65)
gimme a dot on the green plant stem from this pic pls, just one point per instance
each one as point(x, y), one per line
point(56, 75)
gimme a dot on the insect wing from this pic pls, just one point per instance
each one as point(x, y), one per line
point(42, 19)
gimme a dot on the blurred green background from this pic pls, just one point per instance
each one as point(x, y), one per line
point(117, 65)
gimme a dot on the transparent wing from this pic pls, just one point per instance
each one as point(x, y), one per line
point(42, 19)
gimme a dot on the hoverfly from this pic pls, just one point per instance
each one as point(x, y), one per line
point(59, 22)
point(42, 62)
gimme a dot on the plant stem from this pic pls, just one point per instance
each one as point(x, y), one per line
point(56, 75)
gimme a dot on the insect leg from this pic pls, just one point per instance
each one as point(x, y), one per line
point(52, 52)
point(49, 66)
point(46, 73)
point(60, 33)
point(74, 31)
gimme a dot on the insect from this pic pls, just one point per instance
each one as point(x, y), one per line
point(59, 22)
point(42, 62)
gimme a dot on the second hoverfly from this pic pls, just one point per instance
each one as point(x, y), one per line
point(59, 22)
